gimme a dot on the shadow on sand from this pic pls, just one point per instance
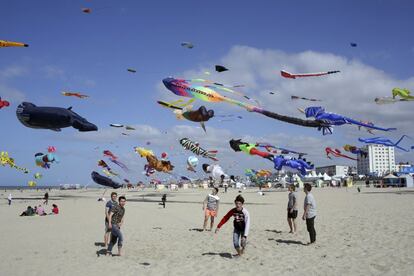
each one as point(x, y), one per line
point(400, 192)
point(101, 244)
point(288, 241)
point(196, 229)
point(223, 255)
point(273, 231)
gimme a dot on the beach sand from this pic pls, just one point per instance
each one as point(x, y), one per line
point(367, 233)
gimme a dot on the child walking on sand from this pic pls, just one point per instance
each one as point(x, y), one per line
point(210, 208)
point(241, 224)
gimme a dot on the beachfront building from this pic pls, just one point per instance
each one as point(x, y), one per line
point(380, 161)
point(333, 170)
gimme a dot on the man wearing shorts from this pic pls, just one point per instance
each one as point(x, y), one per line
point(292, 208)
point(108, 208)
point(211, 210)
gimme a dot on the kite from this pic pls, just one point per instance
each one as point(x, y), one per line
point(384, 141)
point(279, 150)
point(355, 150)
point(86, 10)
point(271, 93)
point(6, 160)
point(260, 173)
point(5, 43)
point(220, 68)
point(251, 149)
point(207, 93)
point(129, 128)
point(215, 170)
point(104, 181)
point(298, 164)
point(405, 94)
point(53, 118)
point(109, 173)
point(294, 76)
point(131, 70)
point(74, 94)
point(199, 115)
point(353, 44)
point(188, 45)
point(192, 163)
point(31, 183)
point(3, 103)
point(114, 160)
point(116, 125)
point(37, 175)
point(106, 169)
point(332, 119)
point(303, 98)
point(109, 154)
point(196, 149)
point(336, 153)
point(44, 160)
point(153, 162)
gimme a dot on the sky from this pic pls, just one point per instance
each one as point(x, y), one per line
point(90, 53)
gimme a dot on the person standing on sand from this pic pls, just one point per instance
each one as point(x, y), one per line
point(108, 208)
point(241, 224)
point(309, 212)
point(292, 208)
point(9, 199)
point(210, 208)
point(46, 198)
point(116, 219)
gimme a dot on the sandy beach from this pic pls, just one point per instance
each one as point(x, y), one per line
point(367, 233)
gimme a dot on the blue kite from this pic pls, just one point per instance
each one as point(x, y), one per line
point(298, 164)
point(333, 119)
point(385, 141)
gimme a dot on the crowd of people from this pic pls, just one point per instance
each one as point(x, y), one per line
point(39, 210)
point(115, 211)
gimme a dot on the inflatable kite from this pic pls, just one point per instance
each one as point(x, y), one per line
point(104, 181)
point(215, 170)
point(221, 68)
point(37, 175)
point(333, 119)
point(353, 44)
point(300, 165)
point(4, 43)
point(53, 118)
point(45, 160)
point(337, 153)
point(6, 160)
point(3, 103)
point(187, 88)
point(188, 45)
point(74, 94)
point(114, 159)
point(251, 149)
point(405, 94)
point(199, 115)
point(31, 183)
point(356, 150)
point(131, 70)
point(384, 141)
point(196, 149)
point(153, 162)
point(303, 98)
point(288, 75)
point(192, 163)
point(86, 10)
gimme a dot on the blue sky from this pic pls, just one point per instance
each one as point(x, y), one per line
point(70, 50)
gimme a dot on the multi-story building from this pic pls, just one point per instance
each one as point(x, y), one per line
point(380, 160)
point(333, 170)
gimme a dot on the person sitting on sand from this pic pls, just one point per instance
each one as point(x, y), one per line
point(55, 209)
point(211, 210)
point(116, 219)
point(310, 212)
point(292, 208)
point(29, 212)
point(241, 224)
point(40, 211)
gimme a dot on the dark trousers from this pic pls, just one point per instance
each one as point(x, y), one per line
point(310, 225)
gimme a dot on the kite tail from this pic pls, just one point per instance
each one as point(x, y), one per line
point(402, 137)
point(368, 126)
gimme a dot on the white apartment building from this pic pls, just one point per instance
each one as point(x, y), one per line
point(380, 160)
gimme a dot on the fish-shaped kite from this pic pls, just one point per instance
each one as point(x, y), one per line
point(288, 75)
point(196, 149)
